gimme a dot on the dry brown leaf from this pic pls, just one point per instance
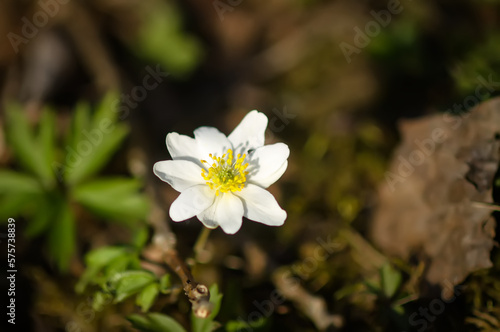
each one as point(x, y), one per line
point(427, 204)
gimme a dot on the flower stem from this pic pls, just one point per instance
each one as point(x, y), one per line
point(201, 241)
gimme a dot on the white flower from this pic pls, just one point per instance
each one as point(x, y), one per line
point(221, 179)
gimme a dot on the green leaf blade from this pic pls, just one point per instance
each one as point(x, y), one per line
point(21, 138)
point(62, 237)
point(390, 280)
point(155, 322)
point(147, 296)
point(116, 198)
point(46, 213)
point(96, 140)
point(129, 283)
point(46, 139)
point(15, 182)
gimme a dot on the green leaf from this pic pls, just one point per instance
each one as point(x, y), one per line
point(95, 140)
point(240, 325)
point(207, 324)
point(165, 284)
point(155, 322)
point(62, 236)
point(390, 279)
point(100, 300)
point(88, 275)
point(140, 237)
point(99, 156)
point(46, 212)
point(142, 323)
point(19, 194)
point(46, 140)
point(216, 299)
point(116, 198)
point(118, 265)
point(106, 111)
point(20, 136)
point(163, 40)
point(349, 290)
point(165, 323)
point(15, 182)
point(17, 204)
point(81, 120)
point(131, 282)
point(147, 296)
point(72, 158)
point(39, 222)
point(98, 259)
point(372, 287)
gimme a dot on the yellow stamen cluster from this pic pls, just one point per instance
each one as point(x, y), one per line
point(225, 174)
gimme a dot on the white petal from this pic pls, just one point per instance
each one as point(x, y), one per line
point(207, 222)
point(267, 164)
point(227, 211)
point(211, 140)
point(183, 147)
point(191, 202)
point(180, 174)
point(250, 132)
point(261, 206)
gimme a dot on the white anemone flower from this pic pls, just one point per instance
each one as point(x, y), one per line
point(221, 179)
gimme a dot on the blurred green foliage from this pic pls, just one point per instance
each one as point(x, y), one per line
point(56, 176)
point(155, 322)
point(390, 280)
point(480, 61)
point(162, 39)
point(339, 156)
point(259, 325)
point(117, 274)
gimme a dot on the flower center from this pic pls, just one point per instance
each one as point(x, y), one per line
point(226, 174)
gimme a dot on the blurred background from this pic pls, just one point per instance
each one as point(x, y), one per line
point(90, 89)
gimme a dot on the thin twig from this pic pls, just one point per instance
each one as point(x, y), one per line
point(312, 306)
point(162, 250)
point(198, 294)
point(364, 253)
point(484, 205)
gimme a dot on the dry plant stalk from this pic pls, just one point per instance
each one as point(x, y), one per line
point(162, 251)
point(312, 306)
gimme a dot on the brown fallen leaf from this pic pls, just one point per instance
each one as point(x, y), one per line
point(428, 204)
